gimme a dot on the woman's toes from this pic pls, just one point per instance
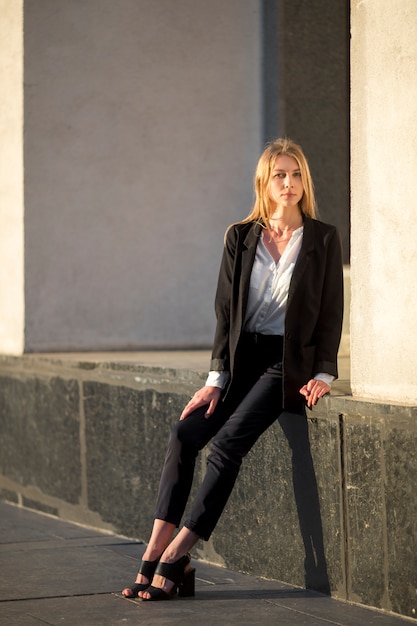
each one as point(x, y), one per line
point(127, 593)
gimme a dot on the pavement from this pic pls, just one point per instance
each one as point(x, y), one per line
point(54, 572)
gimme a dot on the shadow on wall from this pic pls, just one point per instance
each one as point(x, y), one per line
point(295, 429)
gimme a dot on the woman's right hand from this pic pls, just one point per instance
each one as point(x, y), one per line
point(203, 397)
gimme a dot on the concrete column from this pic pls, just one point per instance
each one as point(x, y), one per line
point(11, 178)
point(384, 200)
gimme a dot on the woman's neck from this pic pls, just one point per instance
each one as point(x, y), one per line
point(284, 221)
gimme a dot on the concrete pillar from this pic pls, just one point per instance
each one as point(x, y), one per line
point(11, 178)
point(384, 200)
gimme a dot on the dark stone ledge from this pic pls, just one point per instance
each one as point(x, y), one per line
point(327, 502)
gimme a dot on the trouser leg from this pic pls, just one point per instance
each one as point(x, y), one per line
point(186, 439)
point(257, 411)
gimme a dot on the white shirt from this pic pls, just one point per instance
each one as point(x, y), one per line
point(268, 296)
point(269, 285)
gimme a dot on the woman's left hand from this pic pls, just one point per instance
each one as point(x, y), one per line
point(314, 390)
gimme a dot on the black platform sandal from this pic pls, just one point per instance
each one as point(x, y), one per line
point(180, 573)
point(147, 568)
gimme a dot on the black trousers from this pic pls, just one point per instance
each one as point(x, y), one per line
point(252, 404)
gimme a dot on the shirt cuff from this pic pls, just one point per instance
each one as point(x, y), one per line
point(217, 379)
point(325, 378)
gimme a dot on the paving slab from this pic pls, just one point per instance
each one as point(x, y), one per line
point(53, 572)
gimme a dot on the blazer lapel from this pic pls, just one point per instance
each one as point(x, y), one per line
point(248, 256)
point(307, 248)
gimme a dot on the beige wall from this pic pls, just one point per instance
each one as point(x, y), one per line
point(142, 131)
point(384, 205)
point(11, 177)
point(143, 122)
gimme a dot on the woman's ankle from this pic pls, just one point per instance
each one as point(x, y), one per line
point(181, 545)
point(151, 554)
point(170, 555)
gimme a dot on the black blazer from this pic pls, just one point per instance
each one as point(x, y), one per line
point(313, 322)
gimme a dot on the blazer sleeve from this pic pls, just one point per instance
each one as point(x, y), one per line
point(328, 328)
point(220, 359)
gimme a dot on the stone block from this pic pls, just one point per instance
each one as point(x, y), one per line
point(40, 506)
point(39, 435)
point(8, 496)
point(126, 434)
point(400, 480)
point(284, 513)
point(324, 433)
point(365, 510)
point(251, 535)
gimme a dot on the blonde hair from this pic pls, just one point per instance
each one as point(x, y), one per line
point(263, 208)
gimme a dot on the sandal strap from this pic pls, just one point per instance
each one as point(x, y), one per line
point(159, 594)
point(173, 571)
point(147, 568)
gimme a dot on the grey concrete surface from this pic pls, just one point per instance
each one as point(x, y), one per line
point(186, 100)
point(194, 360)
point(53, 572)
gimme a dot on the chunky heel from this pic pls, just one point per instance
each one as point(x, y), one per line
point(186, 587)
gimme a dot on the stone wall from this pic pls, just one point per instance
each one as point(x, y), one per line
point(328, 502)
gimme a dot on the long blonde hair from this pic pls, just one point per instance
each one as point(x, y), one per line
point(262, 209)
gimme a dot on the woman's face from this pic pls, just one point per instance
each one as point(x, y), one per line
point(285, 184)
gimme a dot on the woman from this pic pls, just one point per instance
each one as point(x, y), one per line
point(279, 307)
